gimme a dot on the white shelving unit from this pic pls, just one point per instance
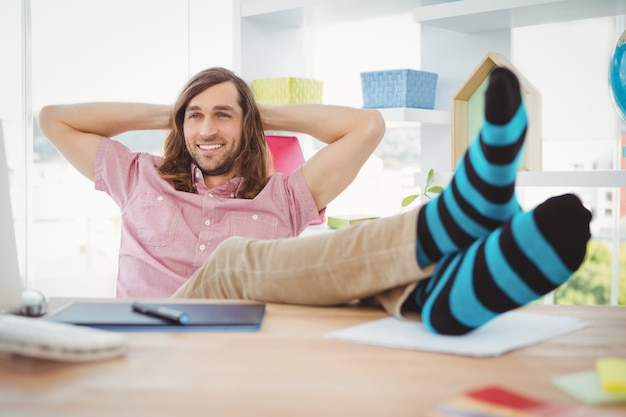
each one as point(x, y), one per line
point(406, 115)
point(586, 179)
point(456, 35)
point(313, 12)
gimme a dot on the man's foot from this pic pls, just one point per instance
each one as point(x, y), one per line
point(481, 195)
point(527, 257)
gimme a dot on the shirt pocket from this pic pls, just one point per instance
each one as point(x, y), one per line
point(158, 220)
point(258, 226)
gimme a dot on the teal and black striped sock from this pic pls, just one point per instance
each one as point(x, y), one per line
point(527, 257)
point(481, 195)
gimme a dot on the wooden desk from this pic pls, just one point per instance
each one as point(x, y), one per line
point(290, 369)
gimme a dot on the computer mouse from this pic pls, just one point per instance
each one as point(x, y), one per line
point(34, 304)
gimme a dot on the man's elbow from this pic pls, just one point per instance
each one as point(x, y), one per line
point(377, 126)
point(46, 119)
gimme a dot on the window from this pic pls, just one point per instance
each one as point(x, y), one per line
point(581, 131)
point(12, 124)
point(387, 176)
point(90, 50)
point(580, 128)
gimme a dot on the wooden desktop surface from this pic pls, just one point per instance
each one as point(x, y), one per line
point(289, 368)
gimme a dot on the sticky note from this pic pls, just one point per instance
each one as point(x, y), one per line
point(504, 397)
point(612, 374)
point(585, 386)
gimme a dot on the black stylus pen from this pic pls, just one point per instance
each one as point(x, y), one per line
point(162, 312)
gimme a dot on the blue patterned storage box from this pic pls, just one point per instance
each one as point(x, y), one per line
point(399, 88)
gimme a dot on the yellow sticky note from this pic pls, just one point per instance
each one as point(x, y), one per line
point(612, 374)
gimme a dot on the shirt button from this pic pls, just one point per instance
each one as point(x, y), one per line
point(207, 222)
point(197, 175)
point(254, 216)
point(160, 198)
point(202, 247)
point(232, 195)
point(210, 195)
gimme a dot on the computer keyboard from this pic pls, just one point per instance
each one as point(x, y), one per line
point(44, 339)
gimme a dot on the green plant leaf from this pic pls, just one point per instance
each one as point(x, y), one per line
point(431, 176)
point(409, 199)
point(435, 189)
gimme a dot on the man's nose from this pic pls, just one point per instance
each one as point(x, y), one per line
point(207, 129)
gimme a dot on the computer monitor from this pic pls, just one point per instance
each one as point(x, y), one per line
point(11, 285)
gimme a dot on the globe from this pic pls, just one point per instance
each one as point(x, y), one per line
point(617, 75)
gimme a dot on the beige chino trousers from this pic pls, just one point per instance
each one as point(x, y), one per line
point(373, 260)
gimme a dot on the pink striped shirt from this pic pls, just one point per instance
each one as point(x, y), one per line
point(168, 234)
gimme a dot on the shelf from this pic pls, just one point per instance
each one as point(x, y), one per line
point(260, 7)
point(477, 16)
point(406, 115)
point(605, 179)
point(313, 12)
point(602, 179)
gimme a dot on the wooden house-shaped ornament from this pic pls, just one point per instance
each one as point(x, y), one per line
point(468, 112)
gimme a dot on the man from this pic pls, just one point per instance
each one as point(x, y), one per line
point(458, 261)
point(213, 180)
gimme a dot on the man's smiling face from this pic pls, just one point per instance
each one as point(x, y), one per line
point(212, 127)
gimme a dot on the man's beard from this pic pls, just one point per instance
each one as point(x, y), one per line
point(225, 166)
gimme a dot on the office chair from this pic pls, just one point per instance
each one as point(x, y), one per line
point(286, 153)
point(287, 156)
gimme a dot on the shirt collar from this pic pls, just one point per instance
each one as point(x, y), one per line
point(228, 190)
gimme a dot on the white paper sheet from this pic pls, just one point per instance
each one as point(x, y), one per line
point(509, 331)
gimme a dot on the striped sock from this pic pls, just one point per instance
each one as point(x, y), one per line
point(481, 195)
point(527, 257)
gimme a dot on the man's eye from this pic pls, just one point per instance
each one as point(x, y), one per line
point(223, 115)
point(194, 115)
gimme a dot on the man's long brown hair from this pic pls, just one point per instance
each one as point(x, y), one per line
point(253, 159)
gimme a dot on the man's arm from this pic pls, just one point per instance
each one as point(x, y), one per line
point(76, 129)
point(352, 136)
